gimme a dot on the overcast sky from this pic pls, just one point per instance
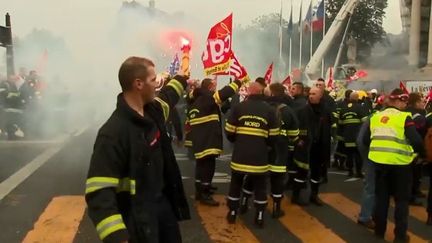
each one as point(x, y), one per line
point(67, 16)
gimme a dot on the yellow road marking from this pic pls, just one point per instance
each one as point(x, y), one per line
point(59, 222)
point(214, 221)
point(304, 226)
point(351, 210)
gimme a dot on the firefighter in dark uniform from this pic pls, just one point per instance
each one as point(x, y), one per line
point(280, 157)
point(298, 99)
point(134, 190)
point(340, 154)
point(206, 134)
point(327, 132)
point(351, 119)
point(252, 126)
point(416, 106)
point(309, 152)
point(428, 140)
point(393, 139)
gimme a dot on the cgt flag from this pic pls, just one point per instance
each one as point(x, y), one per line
point(403, 87)
point(237, 70)
point(268, 75)
point(217, 55)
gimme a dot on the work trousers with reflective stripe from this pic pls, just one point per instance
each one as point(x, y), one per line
point(161, 225)
point(353, 158)
point(276, 185)
point(256, 183)
point(316, 164)
point(396, 181)
point(205, 169)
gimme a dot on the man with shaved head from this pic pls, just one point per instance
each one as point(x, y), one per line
point(252, 126)
point(314, 121)
point(351, 118)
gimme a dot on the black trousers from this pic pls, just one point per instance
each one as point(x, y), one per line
point(276, 185)
point(249, 183)
point(429, 207)
point(205, 169)
point(316, 165)
point(340, 155)
point(396, 181)
point(417, 175)
point(160, 227)
point(353, 158)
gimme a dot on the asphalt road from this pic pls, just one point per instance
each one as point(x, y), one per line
point(42, 185)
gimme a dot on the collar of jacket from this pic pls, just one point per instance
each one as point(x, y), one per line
point(131, 114)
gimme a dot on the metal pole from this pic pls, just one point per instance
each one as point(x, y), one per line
point(342, 44)
point(9, 49)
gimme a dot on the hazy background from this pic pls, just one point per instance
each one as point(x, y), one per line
point(93, 37)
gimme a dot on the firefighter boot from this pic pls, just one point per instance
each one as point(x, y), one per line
point(277, 211)
point(231, 216)
point(244, 204)
point(206, 197)
point(296, 199)
point(259, 218)
point(198, 191)
point(315, 199)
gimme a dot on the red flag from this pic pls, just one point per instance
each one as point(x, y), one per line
point(268, 74)
point(358, 75)
point(216, 57)
point(287, 81)
point(403, 87)
point(330, 79)
point(236, 70)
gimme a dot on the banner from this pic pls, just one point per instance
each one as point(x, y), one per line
point(422, 87)
point(236, 70)
point(216, 57)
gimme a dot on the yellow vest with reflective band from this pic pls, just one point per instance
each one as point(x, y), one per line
point(388, 142)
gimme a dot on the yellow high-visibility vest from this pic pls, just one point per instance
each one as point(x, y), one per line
point(388, 142)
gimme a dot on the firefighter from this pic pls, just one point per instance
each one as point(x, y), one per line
point(327, 132)
point(428, 142)
point(206, 134)
point(340, 154)
point(134, 190)
point(309, 151)
point(280, 157)
point(416, 105)
point(392, 139)
point(351, 119)
point(296, 91)
point(252, 126)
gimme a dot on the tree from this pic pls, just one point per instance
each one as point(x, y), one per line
point(367, 23)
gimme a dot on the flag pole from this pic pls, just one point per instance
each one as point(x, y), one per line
point(311, 31)
point(324, 32)
point(290, 55)
point(301, 35)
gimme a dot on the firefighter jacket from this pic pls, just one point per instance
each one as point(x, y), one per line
point(252, 126)
point(288, 136)
point(133, 168)
point(419, 118)
point(351, 119)
point(315, 122)
point(340, 105)
point(205, 119)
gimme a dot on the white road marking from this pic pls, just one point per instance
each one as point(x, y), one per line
point(338, 173)
point(80, 131)
point(14, 180)
point(352, 179)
